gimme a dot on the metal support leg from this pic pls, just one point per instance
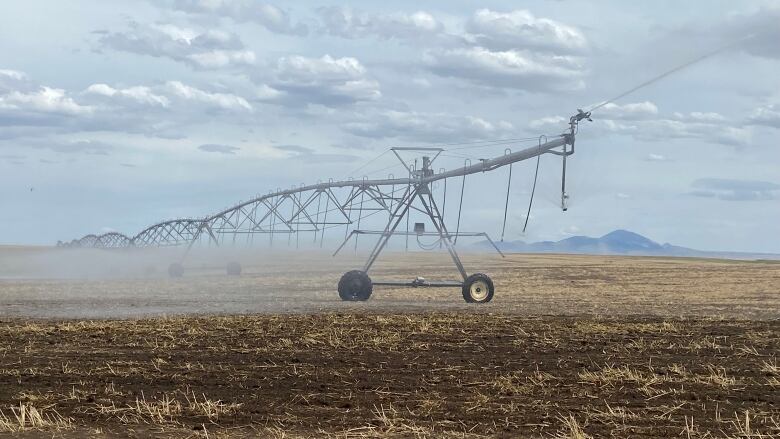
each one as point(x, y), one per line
point(433, 213)
point(395, 219)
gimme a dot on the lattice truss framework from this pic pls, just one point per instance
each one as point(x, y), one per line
point(323, 206)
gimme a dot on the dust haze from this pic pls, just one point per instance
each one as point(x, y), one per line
point(98, 284)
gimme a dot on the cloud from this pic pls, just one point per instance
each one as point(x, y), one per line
point(44, 100)
point(14, 80)
point(643, 121)
point(166, 97)
point(212, 49)
point(38, 106)
point(347, 23)
point(224, 101)
point(162, 110)
point(426, 127)
point(241, 11)
point(516, 51)
point(655, 158)
point(735, 190)
point(756, 33)
point(512, 69)
point(547, 123)
point(13, 74)
point(326, 80)
point(521, 30)
point(632, 111)
point(221, 149)
point(138, 94)
point(768, 115)
point(682, 127)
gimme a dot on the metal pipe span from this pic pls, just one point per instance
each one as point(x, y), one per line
point(482, 166)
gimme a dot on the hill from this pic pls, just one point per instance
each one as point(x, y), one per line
point(617, 242)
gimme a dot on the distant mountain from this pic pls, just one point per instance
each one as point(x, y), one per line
point(618, 242)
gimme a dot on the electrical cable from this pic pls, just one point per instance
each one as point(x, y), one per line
point(533, 191)
point(428, 247)
point(506, 204)
point(460, 208)
point(352, 173)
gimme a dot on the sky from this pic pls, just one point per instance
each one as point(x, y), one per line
point(117, 114)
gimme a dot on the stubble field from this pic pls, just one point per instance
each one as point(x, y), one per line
point(571, 346)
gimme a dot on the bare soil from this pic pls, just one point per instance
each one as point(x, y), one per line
point(571, 347)
point(442, 374)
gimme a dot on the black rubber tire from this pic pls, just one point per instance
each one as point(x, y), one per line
point(233, 268)
point(471, 280)
point(355, 286)
point(175, 270)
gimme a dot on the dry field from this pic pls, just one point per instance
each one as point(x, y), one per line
point(101, 284)
point(571, 347)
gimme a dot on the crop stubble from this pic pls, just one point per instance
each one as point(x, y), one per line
point(591, 357)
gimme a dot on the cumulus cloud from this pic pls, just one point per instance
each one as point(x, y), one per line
point(326, 80)
point(514, 69)
point(514, 50)
point(221, 149)
point(241, 11)
point(682, 127)
point(39, 107)
point(212, 49)
point(426, 127)
point(13, 74)
point(138, 94)
point(13, 80)
point(643, 121)
point(160, 110)
point(44, 100)
point(735, 190)
point(173, 97)
point(631, 111)
point(224, 101)
point(520, 29)
point(347, 23)
point(768, 115)
point(549, 122)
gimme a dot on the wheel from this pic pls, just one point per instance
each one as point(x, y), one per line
point(175, 270)
point(478, 288)
point(233, 269)
point(355, 286)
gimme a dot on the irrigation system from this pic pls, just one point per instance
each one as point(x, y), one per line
point(319, 207)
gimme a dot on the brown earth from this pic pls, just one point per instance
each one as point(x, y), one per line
point(425, 375)
point(572, 346)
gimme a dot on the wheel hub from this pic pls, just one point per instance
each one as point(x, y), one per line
point(479, 290)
